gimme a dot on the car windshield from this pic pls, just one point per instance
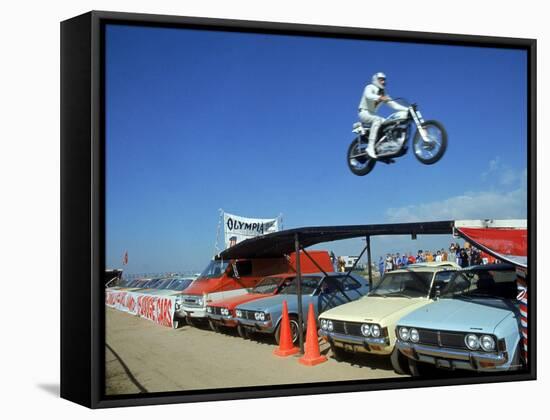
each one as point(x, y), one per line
point(163, 283)
point(124, 283)
point(178, 284)
point(140, 283)
point(482, 283)
point(404, 284)
point(309, 285)
point(270, 284)
point(153, 284)
point(214, 269)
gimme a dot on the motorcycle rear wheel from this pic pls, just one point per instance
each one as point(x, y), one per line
point(430, 153)
point(359, 166)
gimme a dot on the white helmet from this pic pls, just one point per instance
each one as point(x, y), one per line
point(375, 78)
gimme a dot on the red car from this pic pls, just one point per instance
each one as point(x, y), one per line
point(222, 312)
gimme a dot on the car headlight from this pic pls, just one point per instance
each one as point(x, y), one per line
point(225, 311)
point(330, 325)
point(487, 343)
point(404, 333)
point(323, 324)
point(375, 330)
point(413, 335)
point(472, 341)
point(209, 309)
point(200, 301)
point(260, 316)
point(365, 330)
point(239, 313)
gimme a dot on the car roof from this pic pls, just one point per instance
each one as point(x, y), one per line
point(492, 267)
point(429, 267)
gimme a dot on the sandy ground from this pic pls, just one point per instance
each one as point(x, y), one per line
point(144, 357)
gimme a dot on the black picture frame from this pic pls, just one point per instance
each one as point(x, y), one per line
point(83, 210)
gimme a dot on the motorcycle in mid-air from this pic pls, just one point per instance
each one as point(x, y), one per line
point(429, 142)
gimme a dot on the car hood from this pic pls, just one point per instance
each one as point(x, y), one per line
point(375, 309)
point(481, 315)
point(272, 301)
point(239, 299)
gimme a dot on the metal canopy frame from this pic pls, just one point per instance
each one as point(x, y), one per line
point(284, 242)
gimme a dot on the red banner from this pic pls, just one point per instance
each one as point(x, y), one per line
point(159, 309)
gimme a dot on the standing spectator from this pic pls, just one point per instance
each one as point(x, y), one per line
point(412, 259)
point(396, 261)
point(429, 256)
point(381, 265)
point(389, 263)
point(475, 258)
point(341, 264)
point(438, 256)
point(420, 256)
point(463, 258)
point(333, 261)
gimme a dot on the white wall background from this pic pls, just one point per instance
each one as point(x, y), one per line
point(29, 210)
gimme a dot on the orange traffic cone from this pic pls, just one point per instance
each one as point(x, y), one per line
point(285, 340)
point(313, 356)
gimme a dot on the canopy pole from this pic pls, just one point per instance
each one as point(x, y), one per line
point(299, 292)
point(369, 259)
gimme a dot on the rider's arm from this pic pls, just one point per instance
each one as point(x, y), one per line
point(371, 93)
point(394, 105)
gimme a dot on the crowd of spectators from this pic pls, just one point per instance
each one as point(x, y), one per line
point(464, 256)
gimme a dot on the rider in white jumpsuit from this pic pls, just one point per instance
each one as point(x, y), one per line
point(373, 96)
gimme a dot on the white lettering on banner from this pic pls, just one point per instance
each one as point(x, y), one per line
point(159, 309)
point(237, 228)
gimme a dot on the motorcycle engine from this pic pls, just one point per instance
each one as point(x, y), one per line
point(393, 141)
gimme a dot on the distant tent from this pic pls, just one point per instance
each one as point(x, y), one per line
point(503, 239)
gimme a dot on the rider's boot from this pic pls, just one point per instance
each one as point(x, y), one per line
point(370, 149)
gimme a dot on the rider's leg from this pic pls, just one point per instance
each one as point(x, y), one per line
point(373, 135)
point(375, 122)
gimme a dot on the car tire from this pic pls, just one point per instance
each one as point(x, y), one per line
point(338, 354)
point(213, 326)
point(243, 332)
point(414, 368)
point(190, 321)
point(517, 361)
point(293, 325)
point(400, 362)
point(424, 369)
point(176, 323)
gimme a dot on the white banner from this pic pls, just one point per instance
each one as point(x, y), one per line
point(159, 309)
point(237, 228)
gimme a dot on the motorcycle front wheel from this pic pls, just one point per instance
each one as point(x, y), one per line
point(429, 152)
point(359, 165)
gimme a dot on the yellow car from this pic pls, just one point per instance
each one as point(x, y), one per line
point(368, 325)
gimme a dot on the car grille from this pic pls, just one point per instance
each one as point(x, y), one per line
point(248, 314)
point(191, 301)
point(216, 310)
point(441, 338)
point(348, 328)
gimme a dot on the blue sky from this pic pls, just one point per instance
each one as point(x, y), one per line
point(259, 125)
